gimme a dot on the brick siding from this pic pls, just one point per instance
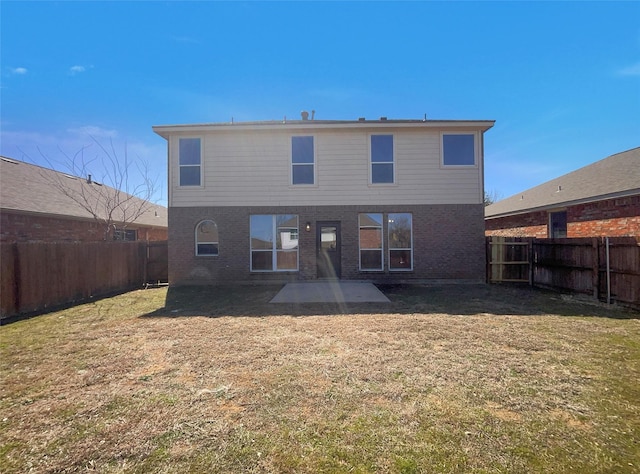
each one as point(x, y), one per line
point(448, 243)
point(618, 217)
point(15, 227)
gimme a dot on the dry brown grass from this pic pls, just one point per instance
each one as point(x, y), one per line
point(450, 379)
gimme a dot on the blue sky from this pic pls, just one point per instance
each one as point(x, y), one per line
point(561, 79)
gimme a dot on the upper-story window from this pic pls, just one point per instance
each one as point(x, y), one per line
point(458, 149)
point(302, 160)
point(382, 166)
point(190, 158)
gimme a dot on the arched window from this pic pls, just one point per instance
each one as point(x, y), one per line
point(207, 238)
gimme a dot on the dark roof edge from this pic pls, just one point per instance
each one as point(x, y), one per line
point(300, 124)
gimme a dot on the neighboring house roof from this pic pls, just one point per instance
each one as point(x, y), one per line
point(367, 221)
point(29, 188)
point(615, 176)
point(165, 130)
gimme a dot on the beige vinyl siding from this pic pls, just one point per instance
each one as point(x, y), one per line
point(251, 168)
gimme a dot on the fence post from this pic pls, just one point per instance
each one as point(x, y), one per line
point(146, 263)
point(595, 279)
point(531, 272)
point(498, 256)
point(487, 257)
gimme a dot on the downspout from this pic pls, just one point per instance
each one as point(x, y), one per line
point(481, 156)
point(169, 180)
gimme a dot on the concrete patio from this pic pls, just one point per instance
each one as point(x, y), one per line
point(331, 291)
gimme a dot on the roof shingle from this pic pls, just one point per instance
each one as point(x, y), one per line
point(616, 175)
point(33, 189)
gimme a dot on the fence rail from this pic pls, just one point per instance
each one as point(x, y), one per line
point(607, 268)
point(37, 276)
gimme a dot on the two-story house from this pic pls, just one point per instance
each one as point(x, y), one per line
point(383, 200)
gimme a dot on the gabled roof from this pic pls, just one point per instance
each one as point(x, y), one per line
point(615, 176)
point(33, 189)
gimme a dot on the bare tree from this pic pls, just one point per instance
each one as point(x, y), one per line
point(116, 198)
point(490, 197)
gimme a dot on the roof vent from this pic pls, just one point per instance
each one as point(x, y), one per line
point(559, 189)
point(305, 115)
point(89, 179)
point(383, 118)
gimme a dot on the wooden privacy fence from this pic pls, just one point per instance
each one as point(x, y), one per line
point(157, 261)
point(40, 275)
point(607, 268)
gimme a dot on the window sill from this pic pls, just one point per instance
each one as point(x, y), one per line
point(273, 271)
point(458, 167)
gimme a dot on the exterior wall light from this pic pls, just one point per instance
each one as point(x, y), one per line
point(308, 227)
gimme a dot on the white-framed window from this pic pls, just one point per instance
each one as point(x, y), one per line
point(370, 241)
point(400, 241)
point(190, 161)
point(207, 243)
point(382, 159)
point(302, 160)
point(459, 149)
point(274, 242)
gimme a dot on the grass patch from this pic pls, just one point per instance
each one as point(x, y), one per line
point(481, 379)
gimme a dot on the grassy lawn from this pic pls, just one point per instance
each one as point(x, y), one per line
point(472, 379)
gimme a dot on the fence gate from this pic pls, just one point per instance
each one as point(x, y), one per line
point(509, 259)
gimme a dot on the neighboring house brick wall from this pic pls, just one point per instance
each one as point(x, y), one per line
point(617, 217)
point(26, 227)
point(612, 217)
point(152, 234)
point(533, 224)
point(369, 238)
point(448, 243)
point(17, 227)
